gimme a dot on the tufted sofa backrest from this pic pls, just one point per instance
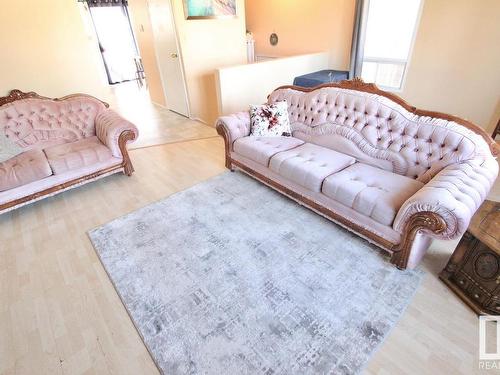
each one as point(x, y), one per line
point(379, 131)
point(36, 123)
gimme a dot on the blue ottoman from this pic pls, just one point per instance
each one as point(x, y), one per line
point(321, 77)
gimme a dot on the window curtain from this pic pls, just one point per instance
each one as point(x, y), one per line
point(358, 38)
point(107, 3)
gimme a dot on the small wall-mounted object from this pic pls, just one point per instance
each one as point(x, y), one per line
point(273, 39)
point(209, 9)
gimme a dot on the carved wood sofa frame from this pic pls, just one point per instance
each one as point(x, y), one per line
point(126, 164)
point(420, 222)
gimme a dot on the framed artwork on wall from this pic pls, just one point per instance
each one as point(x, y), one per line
point(207, 9)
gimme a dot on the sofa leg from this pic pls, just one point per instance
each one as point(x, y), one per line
point(128, 168)
point(222, 131)
point(126, 136)
point(399, 259)
point(229, 164)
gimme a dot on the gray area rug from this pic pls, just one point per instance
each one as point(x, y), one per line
point(230, 277)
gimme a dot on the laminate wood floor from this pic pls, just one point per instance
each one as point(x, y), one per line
point(157, 125)
point(59, 312)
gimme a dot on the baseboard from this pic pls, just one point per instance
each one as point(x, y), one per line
point(159, 105)
point(200, 120)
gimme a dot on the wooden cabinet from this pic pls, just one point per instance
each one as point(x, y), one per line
point(473, 271)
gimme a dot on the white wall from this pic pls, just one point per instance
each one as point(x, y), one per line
point(242, 85)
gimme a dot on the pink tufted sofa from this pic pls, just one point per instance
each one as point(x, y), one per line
point(364, 158)
point(66, 142)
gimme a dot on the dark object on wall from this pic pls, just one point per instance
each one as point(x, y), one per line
point(273, 39)
point(473, 271)
point(107, 3)
point(321, 77)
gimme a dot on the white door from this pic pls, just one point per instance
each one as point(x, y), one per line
point(168, 55)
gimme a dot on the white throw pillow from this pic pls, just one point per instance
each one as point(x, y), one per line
point(8, 149)
point(270, 120)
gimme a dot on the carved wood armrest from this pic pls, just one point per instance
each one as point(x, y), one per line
point(234, 126)
point(444, 207)
point(230, 128)
point(110, 127)
point(454, 194)
point(421, 222)
point(125, 137)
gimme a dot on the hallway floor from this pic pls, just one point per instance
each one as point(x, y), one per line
point(157, 125)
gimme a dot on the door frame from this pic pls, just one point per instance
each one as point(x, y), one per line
point(180, 57)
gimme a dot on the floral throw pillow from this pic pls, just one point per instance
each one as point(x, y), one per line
point(270, 120)
point(8, 149)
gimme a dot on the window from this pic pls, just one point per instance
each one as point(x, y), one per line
point(388, 39)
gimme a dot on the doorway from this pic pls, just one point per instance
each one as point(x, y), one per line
point(168, 56)
point(159, 108)
point(117, 43)
point(114, 24)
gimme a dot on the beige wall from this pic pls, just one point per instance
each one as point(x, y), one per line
point(303, 26)
point(455, 62)
point(241, 85)
point(139, 15)
point(455, 66)
point(45, 48)
point(205, 46)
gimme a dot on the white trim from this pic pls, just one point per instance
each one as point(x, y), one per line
point(202, 121)
point(384, 60)
point(160, 105)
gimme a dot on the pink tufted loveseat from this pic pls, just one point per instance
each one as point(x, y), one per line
point(66, 142)
point(365, 159)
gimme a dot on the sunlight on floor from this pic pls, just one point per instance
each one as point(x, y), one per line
point(157, 125)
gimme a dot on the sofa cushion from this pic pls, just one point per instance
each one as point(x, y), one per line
point(261, 149)
point(22, 169)
point(308, 165)
point(371, 191)
point(69, 156)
